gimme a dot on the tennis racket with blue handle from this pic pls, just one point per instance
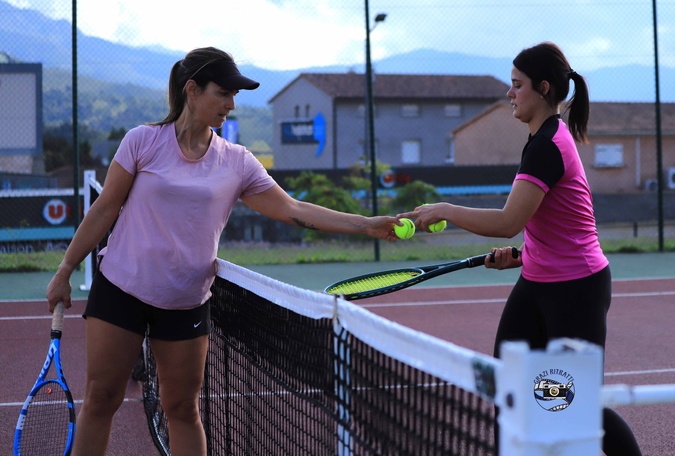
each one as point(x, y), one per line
point(46, 424)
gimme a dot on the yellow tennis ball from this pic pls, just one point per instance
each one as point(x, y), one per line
point(406, 231)
point(438, 226)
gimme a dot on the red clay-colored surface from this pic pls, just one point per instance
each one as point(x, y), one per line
point(639, 351)
point(24, 339)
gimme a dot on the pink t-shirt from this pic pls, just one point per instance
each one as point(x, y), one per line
point(561, 239)
point(164, 244)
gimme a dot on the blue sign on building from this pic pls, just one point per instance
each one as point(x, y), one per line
point(305, 132)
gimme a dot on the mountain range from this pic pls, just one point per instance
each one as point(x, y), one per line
point(30, 36)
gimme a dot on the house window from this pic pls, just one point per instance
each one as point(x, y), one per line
point(452, 110)
point(361, 111)
point(608, 155)
point(307, 111)
point(450, 157)
point(411, 152)
point(297, 111)
point(410, 110)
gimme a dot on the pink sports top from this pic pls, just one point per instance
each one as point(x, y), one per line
point(164, 244)
point(561, 239)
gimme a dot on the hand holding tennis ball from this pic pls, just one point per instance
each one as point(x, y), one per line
point(406, 231)
point(438, 226)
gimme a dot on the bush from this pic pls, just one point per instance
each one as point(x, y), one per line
point(318, 189)
point(412, 195)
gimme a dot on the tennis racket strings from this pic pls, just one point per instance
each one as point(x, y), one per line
point(374, 282)
point(45, 429)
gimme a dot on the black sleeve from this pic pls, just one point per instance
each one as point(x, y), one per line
point(542, 159)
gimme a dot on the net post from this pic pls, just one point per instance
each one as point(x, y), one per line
point(89, 183)
point(550, 399)
point(341, 368)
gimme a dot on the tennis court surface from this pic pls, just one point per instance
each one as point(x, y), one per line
point(358, 384)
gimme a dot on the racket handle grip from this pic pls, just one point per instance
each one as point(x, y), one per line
point(514, 252)
point(57, 317)
point(479, 260)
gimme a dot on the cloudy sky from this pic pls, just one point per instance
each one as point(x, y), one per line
point(290, 34)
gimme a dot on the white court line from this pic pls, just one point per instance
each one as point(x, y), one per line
point(500, 300)
point(77, 401)
point(607, 374)
point(640, 372)
point(434, 303)
point(405, 304)
point(36, 317)
point(645, 294)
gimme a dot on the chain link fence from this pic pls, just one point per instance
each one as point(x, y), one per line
point(121, 82)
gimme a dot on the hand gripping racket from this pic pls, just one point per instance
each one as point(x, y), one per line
point(383, 282)
point(46, 423)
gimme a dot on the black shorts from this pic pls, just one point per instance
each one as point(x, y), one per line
point(538, 312)
point(110, 304)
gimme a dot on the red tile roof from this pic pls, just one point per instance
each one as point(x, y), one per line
point(408, 86)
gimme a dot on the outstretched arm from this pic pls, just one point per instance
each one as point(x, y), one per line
point(520, 206)
point(276, 204)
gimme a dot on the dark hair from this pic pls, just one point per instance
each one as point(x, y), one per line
point(191, 67)
point(546, 62)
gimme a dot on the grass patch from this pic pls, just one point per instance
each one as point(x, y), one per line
point(30, 262)
point(636, 245)
point(425, 248)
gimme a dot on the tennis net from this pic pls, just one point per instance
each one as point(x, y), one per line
point(290, 371)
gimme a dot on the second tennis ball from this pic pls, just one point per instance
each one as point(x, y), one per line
point(406, 231)
point(438, 226)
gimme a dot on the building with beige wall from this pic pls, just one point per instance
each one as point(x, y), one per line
point(492, 137)
point(620, 158)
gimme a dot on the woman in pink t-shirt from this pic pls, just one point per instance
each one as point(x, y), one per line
point(169, 191)
point(565, 286)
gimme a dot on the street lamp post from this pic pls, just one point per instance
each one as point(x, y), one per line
point(371, 121)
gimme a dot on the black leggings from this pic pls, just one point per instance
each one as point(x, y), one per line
point(539, 312)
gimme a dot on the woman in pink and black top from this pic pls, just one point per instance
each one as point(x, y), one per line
point(563, 266)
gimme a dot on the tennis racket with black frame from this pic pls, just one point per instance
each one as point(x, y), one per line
point(46, 423)
point(383, 282)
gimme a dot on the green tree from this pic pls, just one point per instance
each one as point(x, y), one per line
point(412, 195)
point(318, 189)
point(117, 133)
point(57, 143)
point(58, 151)
point(86, 158)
